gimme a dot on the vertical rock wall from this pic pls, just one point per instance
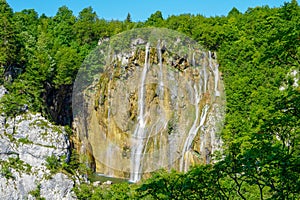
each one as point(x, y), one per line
point(157, 104)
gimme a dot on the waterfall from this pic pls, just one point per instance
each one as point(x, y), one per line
point(139, 133)
point(152, 104)
point(195, 127)
point(215, 72)
point(193, 60)
point(109, 155)
point(203, 117)
point(161, 81)
point(193, 131)
point(109, 95)
point(205, 77)
point(109, 147)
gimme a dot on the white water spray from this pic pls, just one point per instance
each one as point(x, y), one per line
point(161, 82)
point(195, 127)
point(215, 70)
point(205, 77)
point(139, 133)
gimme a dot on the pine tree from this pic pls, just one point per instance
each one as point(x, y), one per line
point(7, 39)
point(128, 18)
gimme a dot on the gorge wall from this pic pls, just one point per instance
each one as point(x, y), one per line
point(148, 99)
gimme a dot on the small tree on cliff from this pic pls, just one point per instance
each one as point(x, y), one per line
point(128, 18)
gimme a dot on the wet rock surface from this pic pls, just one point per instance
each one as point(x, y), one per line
point(155, 104)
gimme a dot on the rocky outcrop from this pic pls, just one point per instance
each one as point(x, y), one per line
point(25, 144)
point(3, 91)
point(156, 101)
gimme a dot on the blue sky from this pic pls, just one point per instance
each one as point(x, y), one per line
point(140, 10)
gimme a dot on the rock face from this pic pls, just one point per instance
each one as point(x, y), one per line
point(59, 104)
point(25, 144)
point(157, 102)
point(3, 91)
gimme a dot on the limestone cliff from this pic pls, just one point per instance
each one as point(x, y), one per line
point(26, 142)
point(156, 102)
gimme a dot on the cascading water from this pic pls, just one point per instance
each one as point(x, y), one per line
point(195, 127)
point(205, 77)
point(153, 108)
point(215, 70)
point(139, 133)
point(193, 59)
point(109, 153)
point(161, 81)
point(202, 120)
point(110, 147)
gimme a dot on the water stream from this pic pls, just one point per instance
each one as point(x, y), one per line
point(205, 76)
point(195, 127)
point(139, 133)
point(215, 71)
point(161, 81)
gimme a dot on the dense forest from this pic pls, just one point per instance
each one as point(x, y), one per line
point(259, 56)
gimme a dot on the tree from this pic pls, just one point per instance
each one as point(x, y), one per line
point(62, 28)
point(26, 26)
point(27, 20)
point(163, 185)
point(128, 18)
point(234, 11)
point(7, 39)
point(66, 66)
point(84, 27)
point(182, 23)
point(155, 19)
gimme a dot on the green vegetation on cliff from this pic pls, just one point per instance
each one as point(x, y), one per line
point(258, 52)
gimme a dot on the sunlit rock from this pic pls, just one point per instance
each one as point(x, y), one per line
point(162, 108)
point(26, 142)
